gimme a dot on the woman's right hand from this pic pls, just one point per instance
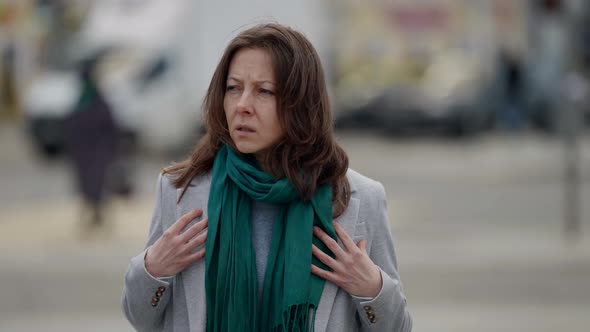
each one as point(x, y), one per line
point(173, 251)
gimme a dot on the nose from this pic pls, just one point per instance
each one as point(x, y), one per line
point(244, 105)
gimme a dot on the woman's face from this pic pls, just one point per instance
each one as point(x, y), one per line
point(250, 102)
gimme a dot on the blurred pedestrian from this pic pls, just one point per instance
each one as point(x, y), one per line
point(512, 114)
point(270, 194)
point(91, 143)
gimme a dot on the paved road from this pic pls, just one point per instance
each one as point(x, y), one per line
point(477, 229)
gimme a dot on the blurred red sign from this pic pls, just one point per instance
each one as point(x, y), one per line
point(419, 18)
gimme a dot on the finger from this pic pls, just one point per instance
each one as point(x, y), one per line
point(181, 223)
point(326, 259)
point(195, 229)
point(345, 238)
point(197, 256)
point(363, 245)
point(329, 242)
point(197, 242)
point(324, 274)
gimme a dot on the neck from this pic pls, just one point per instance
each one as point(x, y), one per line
point(261, 158)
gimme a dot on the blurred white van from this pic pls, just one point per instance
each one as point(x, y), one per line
point(162, 54)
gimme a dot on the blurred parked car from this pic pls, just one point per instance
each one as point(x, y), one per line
point(146, 100)
point(452, 94)
point(46, 103)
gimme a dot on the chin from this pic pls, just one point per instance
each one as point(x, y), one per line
point(246, 148)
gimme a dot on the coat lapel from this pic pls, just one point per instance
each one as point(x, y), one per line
point(193, 277)
point(348, 221)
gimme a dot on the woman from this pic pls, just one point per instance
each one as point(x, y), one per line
point(244, 234)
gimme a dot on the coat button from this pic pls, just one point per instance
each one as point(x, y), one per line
point(367, 308)
point(155, 300)
point(158, 294)
point(162, 289)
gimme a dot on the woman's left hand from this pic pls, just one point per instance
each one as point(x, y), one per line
point(352, 269)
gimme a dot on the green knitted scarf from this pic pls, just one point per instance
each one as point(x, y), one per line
point(291, 293)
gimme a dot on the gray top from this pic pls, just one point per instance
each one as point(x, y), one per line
point(263, 218)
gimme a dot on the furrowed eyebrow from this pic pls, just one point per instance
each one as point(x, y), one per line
point(232, 78)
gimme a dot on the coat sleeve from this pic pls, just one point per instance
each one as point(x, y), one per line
point(388, 310)
point(145, 298)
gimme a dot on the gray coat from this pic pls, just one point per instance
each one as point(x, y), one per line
point(181, 304)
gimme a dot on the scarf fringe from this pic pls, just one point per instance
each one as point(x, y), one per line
point(296, 319)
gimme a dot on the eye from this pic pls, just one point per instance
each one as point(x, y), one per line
point(231, 88)
point(267, 92)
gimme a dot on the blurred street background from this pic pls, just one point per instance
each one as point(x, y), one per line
point(474, 114)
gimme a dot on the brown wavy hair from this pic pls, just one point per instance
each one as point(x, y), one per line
point(307, 154)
